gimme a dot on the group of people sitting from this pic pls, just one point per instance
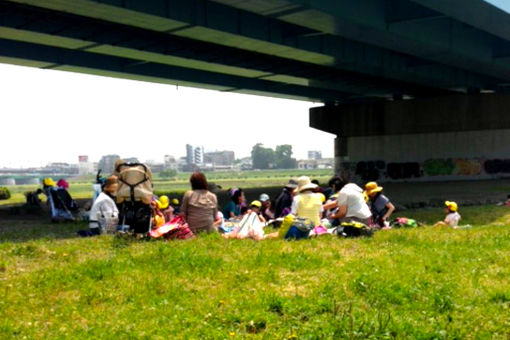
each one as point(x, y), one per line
point(302, 209)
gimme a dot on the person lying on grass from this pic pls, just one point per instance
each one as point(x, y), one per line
point(452, 215)
point(252, 225)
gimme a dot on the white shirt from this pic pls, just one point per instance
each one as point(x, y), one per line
point(452, 219)
point(103, 210)
point(351, 195)
point(251, 226)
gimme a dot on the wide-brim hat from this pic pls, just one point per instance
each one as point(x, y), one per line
point(304, 183)
point(372, 188)
point(111, 181)
point(293, 184)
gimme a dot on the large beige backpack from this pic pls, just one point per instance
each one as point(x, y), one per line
point(135, 183)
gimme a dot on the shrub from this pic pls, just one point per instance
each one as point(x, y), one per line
point(168, 173)
point(5, 194)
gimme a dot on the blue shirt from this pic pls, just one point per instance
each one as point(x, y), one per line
point(231, 207)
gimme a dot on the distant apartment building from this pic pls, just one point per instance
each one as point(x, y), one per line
point(314, 155)
point(107, 163)
point(170, 162)
point(245, 163)
point(194, 155)
point(85, 167)
point(220, 159)
point(60, 169)
point(309, 164)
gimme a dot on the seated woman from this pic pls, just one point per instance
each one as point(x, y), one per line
point(267, 209)
point(104, 215)
point(380, 205)
point(199, 205)
point(233, 208)
point(306, 204)
point(350, 204)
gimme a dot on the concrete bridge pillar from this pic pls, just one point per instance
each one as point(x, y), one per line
point(452, 137)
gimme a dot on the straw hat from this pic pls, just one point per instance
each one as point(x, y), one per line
point(304, 183)
point(372, 188)
point(110, 181)
point(292, 184)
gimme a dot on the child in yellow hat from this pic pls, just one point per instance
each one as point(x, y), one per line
point(452, 215)
point(379, 204)
point(163, 205)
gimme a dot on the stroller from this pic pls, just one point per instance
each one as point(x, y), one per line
point(60, 202)
point(134, 196)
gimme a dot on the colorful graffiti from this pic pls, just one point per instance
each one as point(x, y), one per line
point(467, 167)
point(378, 170)
point(438, 167)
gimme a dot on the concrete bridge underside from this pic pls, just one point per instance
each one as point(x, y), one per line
point(390, 72)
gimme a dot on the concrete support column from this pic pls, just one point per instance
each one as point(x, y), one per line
point(340, 147)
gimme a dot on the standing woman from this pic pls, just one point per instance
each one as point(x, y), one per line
point(199, 205)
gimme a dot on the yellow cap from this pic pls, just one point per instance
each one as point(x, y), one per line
point(256, 204)
point(49, 182)
point(452, 206)
point(162, 202)
point(175, 201)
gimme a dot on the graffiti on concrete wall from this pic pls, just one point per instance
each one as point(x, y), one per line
point(497, 166)
point(467, 167)
point(379, 170)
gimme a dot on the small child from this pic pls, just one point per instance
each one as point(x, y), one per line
point(251, 226)
point(176, 206)
point(452, 216)
point(162, 204)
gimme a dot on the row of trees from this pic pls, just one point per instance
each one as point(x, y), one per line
point(267, 158)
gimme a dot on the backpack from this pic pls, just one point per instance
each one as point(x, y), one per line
point(354, 229)
point(303, 224)
point(135, 183)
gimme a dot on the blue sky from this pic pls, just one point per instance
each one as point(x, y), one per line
point(503, 4)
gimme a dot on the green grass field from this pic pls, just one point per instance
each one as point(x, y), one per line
point(425, 283)
point(82, 187)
